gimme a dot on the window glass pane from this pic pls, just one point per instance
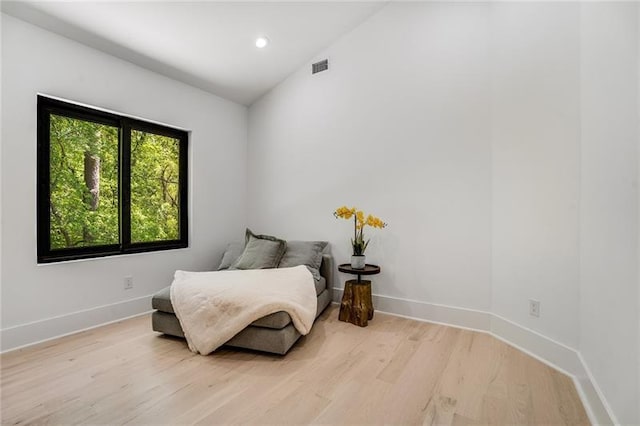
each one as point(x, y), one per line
point(154, 187)
point(83, 171)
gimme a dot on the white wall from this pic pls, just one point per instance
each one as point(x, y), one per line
point(1, 218)
point(462, 125)
point(535, 124)
point(609, 204)
point(34, 60)
point(398, 126)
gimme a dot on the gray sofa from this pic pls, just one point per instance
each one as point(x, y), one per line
point(274, 333)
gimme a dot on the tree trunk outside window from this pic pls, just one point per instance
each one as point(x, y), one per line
point(92, 178)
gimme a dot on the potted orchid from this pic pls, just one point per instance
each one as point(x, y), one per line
point(358, 241)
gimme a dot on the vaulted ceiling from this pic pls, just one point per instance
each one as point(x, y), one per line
point(209, 45)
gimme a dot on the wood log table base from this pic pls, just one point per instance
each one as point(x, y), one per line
point(356, 306)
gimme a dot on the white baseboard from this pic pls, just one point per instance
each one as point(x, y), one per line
point(549, 351)
point(441, 314)
point(553, 353)
point(595, 400)
point(15, 337)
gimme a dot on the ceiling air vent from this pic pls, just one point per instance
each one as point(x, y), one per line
point(320, 66)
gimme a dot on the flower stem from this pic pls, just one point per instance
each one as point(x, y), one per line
point(355, 233)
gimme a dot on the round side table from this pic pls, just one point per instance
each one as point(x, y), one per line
point(357, 305)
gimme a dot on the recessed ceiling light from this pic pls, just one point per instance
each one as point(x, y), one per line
point(261, 42)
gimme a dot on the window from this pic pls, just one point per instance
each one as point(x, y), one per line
point(107, 184)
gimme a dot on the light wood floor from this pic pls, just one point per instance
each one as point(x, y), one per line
point(395, 371)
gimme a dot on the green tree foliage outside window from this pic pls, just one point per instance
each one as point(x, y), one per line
point(107, 184)
point(84, 183)
point(154, 187)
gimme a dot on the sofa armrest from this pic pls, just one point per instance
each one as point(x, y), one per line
point(326, 270)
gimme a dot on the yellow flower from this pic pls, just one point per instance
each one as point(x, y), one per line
point(371, 220)
point(344, 212)
point(358, 241)
point(380, 224)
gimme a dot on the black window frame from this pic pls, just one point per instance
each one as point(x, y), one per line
point(47, 106)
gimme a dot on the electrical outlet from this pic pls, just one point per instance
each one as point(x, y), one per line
point(534, 308)
point(128, 282)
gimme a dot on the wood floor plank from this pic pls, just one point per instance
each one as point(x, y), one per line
point(395, 371)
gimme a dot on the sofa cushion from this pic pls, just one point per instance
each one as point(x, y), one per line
point(276, 320)
point(162, 299)
point(231, 254)
point(308, 253)
point(162, 302)
point(260, 252)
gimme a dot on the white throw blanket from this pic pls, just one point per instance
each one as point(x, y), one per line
point(212, 307)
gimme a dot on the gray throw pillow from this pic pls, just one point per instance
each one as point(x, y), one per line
point(260, 252)
point(308, 253)
point(231, 254)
